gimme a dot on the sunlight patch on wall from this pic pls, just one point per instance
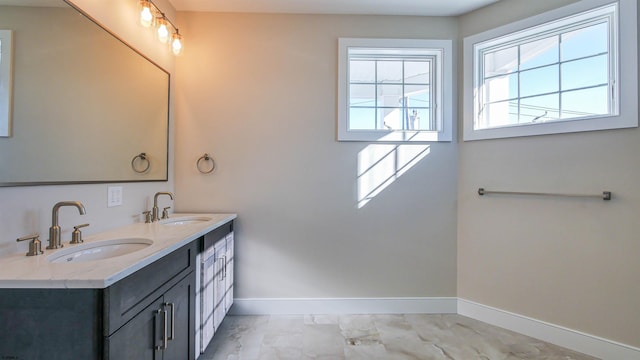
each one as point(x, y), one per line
point(379, 165)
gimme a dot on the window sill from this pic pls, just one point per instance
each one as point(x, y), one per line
point(394, 136)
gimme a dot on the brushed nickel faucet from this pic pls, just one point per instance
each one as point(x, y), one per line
point(54, 230)
point(155, 210)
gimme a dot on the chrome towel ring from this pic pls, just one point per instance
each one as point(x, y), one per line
point(143, 160)
point(200, 162)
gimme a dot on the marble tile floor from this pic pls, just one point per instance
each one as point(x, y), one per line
point(370, 337)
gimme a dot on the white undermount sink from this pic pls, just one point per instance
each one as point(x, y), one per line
point(99, 250)
point(184, 220)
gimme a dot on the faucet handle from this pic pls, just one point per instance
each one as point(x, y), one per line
point(165, 212)
point(147, 216)
point(35, 245)
point(76, 235)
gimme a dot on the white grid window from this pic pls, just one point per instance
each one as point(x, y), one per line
point(564, 72)
point(555, 74)
point(392, 90)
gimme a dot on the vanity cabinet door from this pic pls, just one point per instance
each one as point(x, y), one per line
point(140, 337)
point(219, 286)
point(179, 302)
point(228, 301)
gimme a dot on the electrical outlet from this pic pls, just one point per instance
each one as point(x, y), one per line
point(114, 196)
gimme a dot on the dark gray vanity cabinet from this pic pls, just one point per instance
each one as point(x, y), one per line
point(58, 324)
point(163, 330)
point(149, 314)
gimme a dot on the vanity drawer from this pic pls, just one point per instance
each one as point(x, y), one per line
point(126, 298)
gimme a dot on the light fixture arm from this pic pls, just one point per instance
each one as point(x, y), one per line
point(163, 15)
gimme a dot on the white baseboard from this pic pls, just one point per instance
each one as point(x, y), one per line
point(555, 334)
point(261, 306)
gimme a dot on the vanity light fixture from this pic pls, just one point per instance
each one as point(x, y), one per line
point(150, 15)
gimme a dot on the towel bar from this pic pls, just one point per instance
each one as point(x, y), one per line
point(606, 195)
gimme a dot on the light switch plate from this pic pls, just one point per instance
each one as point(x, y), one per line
point(114, 196)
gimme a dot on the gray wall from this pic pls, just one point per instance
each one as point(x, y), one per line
point(258, 92)
point(571, 262)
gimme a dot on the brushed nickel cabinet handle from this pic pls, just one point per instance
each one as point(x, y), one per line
point(221, 267)
point(164, 337)
point(173, 320)
point(224, 269)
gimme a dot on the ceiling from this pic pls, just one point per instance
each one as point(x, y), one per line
point(366, 7)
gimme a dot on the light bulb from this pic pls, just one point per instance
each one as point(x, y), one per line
point(163, 31)
point(146, 15)
point(176, 43)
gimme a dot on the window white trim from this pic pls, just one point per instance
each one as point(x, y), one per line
point(626, 88)
point(6, 76)
point(445, 87)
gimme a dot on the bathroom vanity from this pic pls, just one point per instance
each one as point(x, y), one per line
point(141, 305)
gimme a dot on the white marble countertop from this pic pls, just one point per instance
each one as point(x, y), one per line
point(20, 271)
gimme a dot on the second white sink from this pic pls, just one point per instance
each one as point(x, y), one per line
point(99, 250)
point(184, 220)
